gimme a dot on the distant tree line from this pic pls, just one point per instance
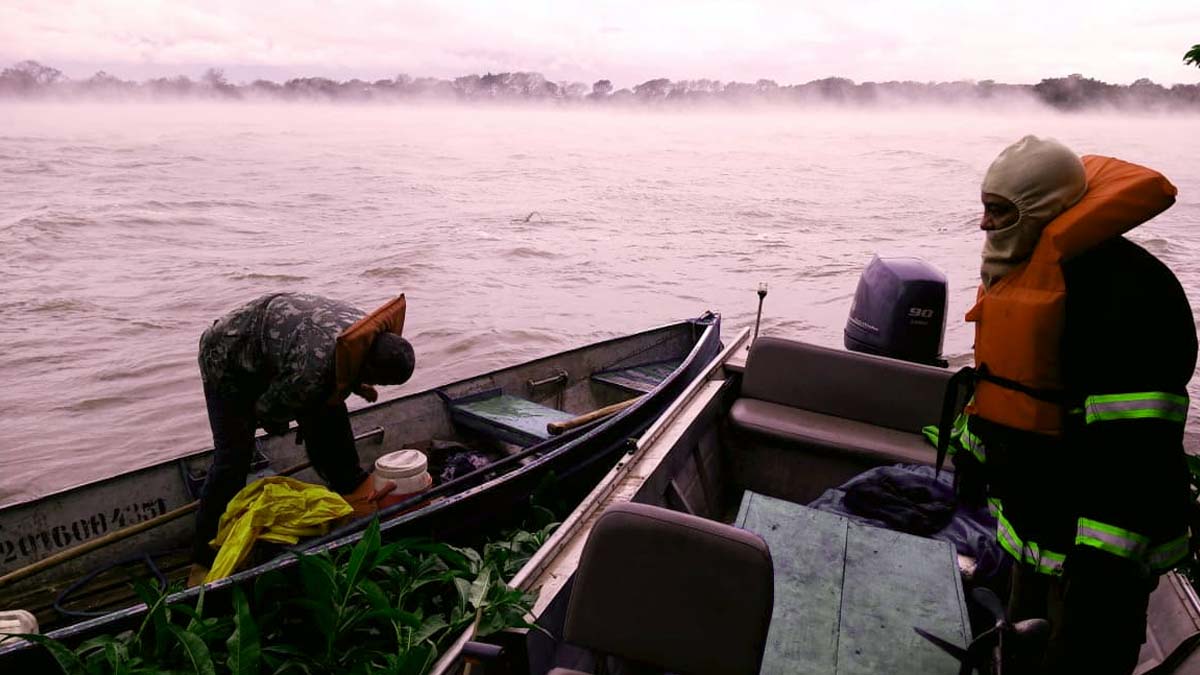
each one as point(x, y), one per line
point(32, 80)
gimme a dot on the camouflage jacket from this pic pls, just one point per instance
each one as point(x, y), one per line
point(278, 350)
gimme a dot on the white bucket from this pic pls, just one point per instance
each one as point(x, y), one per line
point(408, 469)
point(17, 621)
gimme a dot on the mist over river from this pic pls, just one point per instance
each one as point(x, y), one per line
point(126, 229)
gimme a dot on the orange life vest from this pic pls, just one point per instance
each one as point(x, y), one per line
point(1019, 320)
point(354, 343)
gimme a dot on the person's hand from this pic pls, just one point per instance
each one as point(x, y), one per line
point(196, 575)
point(368, 392)
point(366, 499)
point(273, 427)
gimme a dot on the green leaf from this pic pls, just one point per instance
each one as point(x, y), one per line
point(432, 625)
point(286, 651)
point(199, 612)
point(322, 614)
point(464, 592)
point(374, 594)
point(449, 555)
point(97, 643)
point(542, 515)
point(67, 660)
point(243, 643)
point(489, 623)
point(417, 660)
point(320, 586)
point(293, 660)
point(363, 551)
point(199, 625)
point(479, 588)
point(351, 619)
point(156, 615)
point(396, 616)
point(116, 656)
point(267, 585)
point(195, 650)
point(1192, 57)
point(386, 553)
point(472, 556)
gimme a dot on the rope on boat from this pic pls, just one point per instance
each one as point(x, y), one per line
point(147, 558)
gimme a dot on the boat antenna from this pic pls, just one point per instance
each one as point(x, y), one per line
point(762, 293)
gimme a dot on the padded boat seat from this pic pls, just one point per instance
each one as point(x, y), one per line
point(508, 418)
point(826, 432)
point(673, 592)
point(639, 379)
point(831, 399)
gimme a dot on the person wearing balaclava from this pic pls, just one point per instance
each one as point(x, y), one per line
point(1084, 347)
point(1040, 179)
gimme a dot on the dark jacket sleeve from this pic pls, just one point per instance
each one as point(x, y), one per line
point(1129, 351)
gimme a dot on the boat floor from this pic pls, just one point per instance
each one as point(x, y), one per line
point(110, 588)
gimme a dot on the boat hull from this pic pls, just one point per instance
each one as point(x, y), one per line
point(469, 506)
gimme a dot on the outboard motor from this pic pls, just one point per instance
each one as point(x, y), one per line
point(899, 311)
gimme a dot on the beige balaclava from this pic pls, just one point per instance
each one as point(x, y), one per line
point(1043, 178)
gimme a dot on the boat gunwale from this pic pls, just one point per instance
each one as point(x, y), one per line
point(370, 407)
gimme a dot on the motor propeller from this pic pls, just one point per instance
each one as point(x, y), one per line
point(997, 645)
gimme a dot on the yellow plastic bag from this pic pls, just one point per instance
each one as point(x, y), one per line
point(276, 509)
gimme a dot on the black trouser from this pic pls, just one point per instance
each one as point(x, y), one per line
point(328, 441)
point(1097, 612)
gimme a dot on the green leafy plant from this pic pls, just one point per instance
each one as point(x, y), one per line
point(1192, 57)
point(374, 608)
point(159, 640)
point(1190, 568)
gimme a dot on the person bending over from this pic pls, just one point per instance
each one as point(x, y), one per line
point(292, 356)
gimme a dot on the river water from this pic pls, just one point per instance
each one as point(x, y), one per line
point(126, 229)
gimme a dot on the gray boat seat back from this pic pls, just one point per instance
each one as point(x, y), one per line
point(870, 389)
point(672, 591)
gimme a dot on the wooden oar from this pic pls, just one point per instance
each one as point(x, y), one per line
point(556, 428)
point(99, 542)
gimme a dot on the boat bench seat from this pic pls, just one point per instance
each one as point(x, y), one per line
point(508, 418)
point(827, 432)
point(639, 379)
point(833, 400)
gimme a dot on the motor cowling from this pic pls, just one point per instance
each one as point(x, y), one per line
point(899, 311)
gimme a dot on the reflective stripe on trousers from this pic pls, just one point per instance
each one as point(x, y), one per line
point(1131, 545)
point(1044, 561)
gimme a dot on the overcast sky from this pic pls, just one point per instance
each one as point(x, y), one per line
point(627, 41)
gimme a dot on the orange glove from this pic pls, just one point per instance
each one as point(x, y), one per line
point(365, 498)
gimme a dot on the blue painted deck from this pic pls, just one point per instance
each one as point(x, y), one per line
point(848, 595)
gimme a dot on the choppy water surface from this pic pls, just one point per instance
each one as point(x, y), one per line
point(125, 230)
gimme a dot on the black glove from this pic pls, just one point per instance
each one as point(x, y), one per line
point(970, 479)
